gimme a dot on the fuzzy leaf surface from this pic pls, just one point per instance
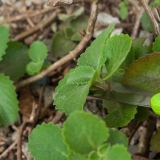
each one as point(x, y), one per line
point(76, 156)
point(116, 50)
point(8, 101)
point(92, 56)
point(63, 81)
point(118, 152)
point(144, 73)
point(37, 51)
point(156, 44)
point(155, 141)
point(17, 61)
point(84, 132)
point(117, 137)
point(120, 116)
point(46, 142)
point(71, 98)
point(4, 32)
point(81, 75)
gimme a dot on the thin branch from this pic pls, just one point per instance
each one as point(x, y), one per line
point(73, 54)
point(67, 2)
point(151, 17)
point(8, 149)
point(36, 28)
point(21, 17)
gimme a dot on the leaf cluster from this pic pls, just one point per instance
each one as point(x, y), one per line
point(83, 136)
point(14, 63)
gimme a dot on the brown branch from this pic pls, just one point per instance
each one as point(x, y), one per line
point(21, 129)
point(151, 17)
point(73, 54)
point(145, 137)
point(38, 27)
point(138, 20)
point(21, 17)
point(8, 149)
point(67, 2)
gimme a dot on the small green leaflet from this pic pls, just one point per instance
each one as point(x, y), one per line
point(91, 132)
point(116, 50)
point(71, 98)
point(46, 142)
point(37, 51)
point(118, 152)
point(117, 137)
point(17, 61)
point(8, 101)
point(120, 115)
point(4, 32)
point(81, 75)
point(34, 67)
point(72, 91)
point(61, 45)
point(156, 44)
point(91, 57)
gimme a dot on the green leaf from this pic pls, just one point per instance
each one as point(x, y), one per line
point(71, 98)
point(116, 50)
point(34, 67)
point(146, 24)
point(144, 73)
point(15, 60)
point(75, 156)
point(123, 10)
point(142, 51)
point(120, 116)
point(156, 3)
point(46, 142)
point(80, 23)
point(84, 132)
point(93, 155)
point(155, 141)
point(156, 46)
point(118, 152)
point(63, 81)
point(117, 137)
point(81, 75)
point(8, 101)
point(92, 56)
point(138, 49)
point(142, 113)
point(68, 31)
point(37, 51)
point(61, 45)
point(74, 15)
point(103, 149)
point(4, 32)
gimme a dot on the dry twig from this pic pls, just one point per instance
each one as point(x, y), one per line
point(36, 28)
point(24, 16)
point(151, 17)
point(73, 54)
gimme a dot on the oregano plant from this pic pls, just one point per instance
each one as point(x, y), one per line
point(14, 63)
point(84, 136)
